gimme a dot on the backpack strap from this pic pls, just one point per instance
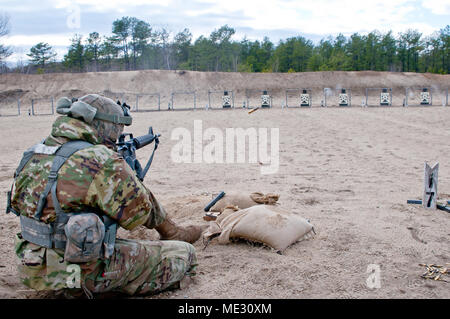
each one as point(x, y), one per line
point(59, 235)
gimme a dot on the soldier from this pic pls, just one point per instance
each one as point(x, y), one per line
point(94, 178)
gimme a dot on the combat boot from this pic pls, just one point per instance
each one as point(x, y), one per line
point(168, 230)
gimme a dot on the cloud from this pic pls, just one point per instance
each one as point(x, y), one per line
point(109, 5)
point(46, 20)
point(53, 39)
point(21, 45)
point(438, 7)
point(319, 16)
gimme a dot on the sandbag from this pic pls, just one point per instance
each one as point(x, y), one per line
point(274, 226)
point(243, 200)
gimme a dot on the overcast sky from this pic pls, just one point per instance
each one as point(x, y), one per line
point(56, 21)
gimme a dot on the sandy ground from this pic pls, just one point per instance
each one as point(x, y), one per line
point(349, 170)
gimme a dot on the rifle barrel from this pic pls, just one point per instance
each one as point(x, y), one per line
point(144, 140)
point(214, 201)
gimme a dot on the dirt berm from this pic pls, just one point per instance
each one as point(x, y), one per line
point(166, 82)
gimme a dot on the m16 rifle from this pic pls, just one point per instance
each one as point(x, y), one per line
point(128, 148)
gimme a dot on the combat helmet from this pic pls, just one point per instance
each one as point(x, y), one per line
point(103, 114)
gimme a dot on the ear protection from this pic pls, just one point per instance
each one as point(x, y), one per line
point(87, 113)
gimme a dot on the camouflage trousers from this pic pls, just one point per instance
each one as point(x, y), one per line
point(136, 267)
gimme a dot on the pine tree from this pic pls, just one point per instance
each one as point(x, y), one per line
point(75, 58)
point(40, 54)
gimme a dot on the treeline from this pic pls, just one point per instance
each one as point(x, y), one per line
point(135, 45)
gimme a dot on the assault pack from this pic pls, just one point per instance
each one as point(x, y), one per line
point(83, 235)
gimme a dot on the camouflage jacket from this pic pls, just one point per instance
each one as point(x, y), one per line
point(96, 177)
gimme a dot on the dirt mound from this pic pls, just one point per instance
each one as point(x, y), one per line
point(167, 82)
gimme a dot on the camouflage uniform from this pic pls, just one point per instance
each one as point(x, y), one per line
point(97, 177)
